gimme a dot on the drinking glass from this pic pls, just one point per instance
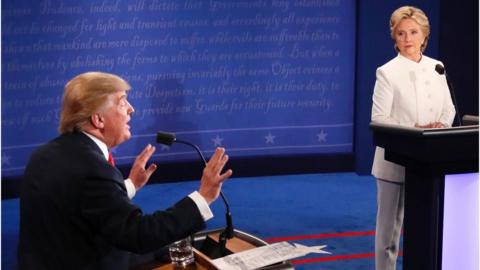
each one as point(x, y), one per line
point(181, 252)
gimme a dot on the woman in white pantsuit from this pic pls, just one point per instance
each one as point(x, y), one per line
point(408, 92)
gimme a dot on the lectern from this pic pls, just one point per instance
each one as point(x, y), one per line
point(428, 156)
point(206, 247)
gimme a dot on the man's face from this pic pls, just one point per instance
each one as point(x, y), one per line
point(116, 117)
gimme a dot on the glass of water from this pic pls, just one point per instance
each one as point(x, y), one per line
point(181, 252)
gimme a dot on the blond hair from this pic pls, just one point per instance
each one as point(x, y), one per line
point(84, 95)
point(416, 14)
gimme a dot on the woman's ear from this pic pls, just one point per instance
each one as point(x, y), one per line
point(97, 120)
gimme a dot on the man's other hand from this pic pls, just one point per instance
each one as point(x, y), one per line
point(212, 178)
point(138, 174)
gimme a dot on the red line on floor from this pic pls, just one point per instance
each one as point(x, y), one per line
point(337, 257)
point(327, 235)
point(318, 236)
point(334, 258)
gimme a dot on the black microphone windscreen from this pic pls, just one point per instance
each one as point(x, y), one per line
point(440, 69)
point(165, 138)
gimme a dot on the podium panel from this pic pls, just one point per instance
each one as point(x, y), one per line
point(428, 156)
point(461, 225)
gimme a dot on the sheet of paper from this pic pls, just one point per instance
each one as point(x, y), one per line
point(265, 255)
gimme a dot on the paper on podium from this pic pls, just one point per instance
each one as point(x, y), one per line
point(265, 255)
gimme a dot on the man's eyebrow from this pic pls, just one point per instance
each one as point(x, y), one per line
point(120, 98)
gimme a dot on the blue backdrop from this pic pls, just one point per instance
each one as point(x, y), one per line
point(258, 77)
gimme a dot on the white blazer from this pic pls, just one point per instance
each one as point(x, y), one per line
point(408, 93)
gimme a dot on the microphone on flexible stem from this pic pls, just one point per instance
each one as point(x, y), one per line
point(170, 138)
point(441, 70)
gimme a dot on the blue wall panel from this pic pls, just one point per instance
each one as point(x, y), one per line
point(260, 78)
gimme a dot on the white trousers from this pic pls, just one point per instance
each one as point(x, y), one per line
point(390, 205)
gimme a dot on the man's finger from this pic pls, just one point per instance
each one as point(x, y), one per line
point(152, 168)
point(220, 164)
point(225, 175)
point(216, 156)
point(145, 155)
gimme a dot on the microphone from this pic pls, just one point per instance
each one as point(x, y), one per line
point(441, 70)
point(170, 138)
point(166, 138)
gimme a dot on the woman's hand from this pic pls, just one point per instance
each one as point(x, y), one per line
point(431, 125)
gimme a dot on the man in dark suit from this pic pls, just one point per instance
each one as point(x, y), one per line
point(75, 207)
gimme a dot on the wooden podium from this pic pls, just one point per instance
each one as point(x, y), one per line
point(207, 241)
point(428, 156)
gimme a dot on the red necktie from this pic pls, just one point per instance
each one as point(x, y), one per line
point(110, 159)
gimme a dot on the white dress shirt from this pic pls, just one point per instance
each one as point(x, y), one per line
point(408, 93)
point(197, 198)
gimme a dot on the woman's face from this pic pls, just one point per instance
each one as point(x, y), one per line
point(409, 39)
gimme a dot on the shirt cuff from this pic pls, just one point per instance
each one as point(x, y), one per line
point(202, 205)
point(131, 190)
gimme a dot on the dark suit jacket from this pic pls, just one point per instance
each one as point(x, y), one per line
point(75, 212)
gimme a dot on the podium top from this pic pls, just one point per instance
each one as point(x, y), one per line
point(444, 150)
point(423, 132)
point(240, 242)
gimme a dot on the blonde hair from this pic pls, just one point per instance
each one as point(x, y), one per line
point(416, 14)
point(84, 95)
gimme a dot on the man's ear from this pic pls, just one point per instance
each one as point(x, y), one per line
point(97, 121)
